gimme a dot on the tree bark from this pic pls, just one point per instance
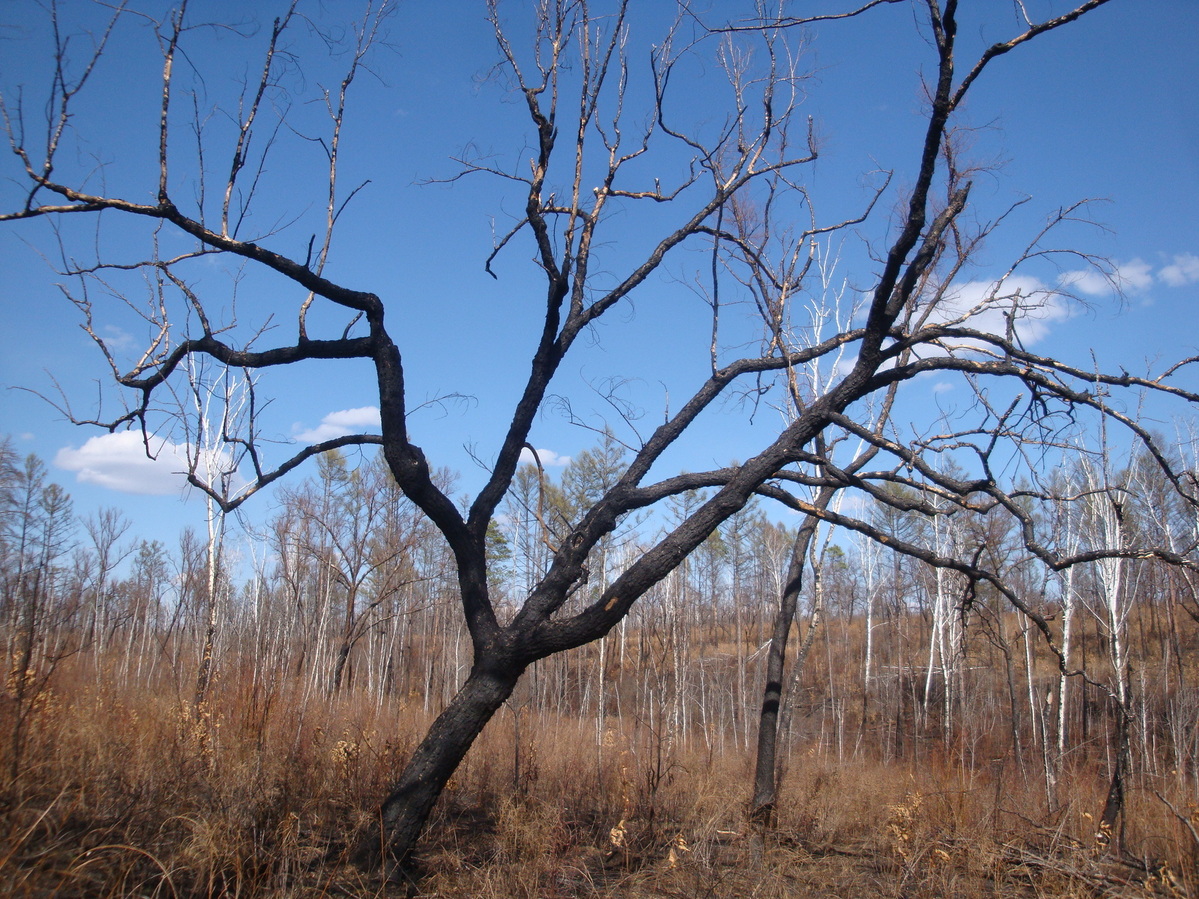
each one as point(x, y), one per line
point(762, 806)
point(339, 666)
point(403, 814)
point(1109, 833)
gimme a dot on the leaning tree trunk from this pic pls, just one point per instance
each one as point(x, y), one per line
point(403, 814)
point(787, 707)
point(762, 805)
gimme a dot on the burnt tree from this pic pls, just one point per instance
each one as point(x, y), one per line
point(609, 138)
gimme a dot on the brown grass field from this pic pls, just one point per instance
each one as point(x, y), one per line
point(138, 794)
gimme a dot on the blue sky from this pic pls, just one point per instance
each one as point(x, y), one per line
point(1105, 109)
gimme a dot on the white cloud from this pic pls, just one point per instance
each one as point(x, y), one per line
point(341, 423)
point(942, 387)
point(117, 339)
point(1127, 277)
point(1087, 281)
point(119, 462)
point(1134, 276)
point(549, 459)
point(985, 306)
point(1182, 271)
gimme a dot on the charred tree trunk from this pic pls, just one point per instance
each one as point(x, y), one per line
point(1109, 833)
point(403, 814)
point(339, 666)
point(765, 795)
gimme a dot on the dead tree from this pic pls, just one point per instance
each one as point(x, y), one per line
point(608, 142)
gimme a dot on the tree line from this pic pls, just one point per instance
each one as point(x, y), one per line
point(348, 590)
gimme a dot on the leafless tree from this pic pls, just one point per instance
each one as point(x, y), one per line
point(37, 531)
point(604, 148)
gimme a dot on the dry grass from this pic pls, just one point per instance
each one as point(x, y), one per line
point(140, 794)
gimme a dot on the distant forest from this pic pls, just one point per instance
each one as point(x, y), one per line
point(350, 599)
